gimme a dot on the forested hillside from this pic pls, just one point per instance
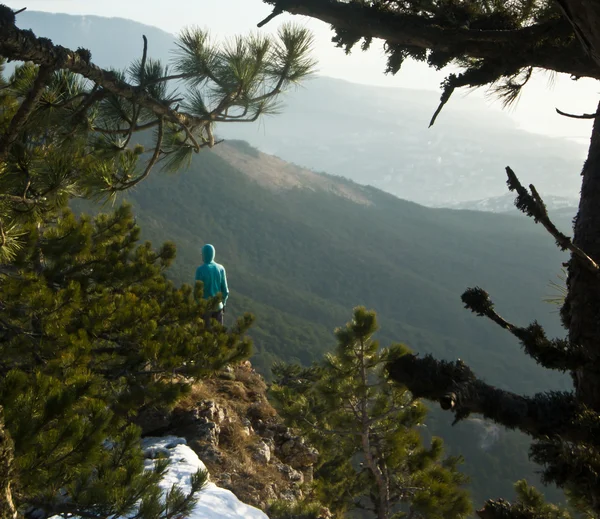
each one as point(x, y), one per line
point(301, 255)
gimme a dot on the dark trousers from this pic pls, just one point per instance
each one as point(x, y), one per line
point(218, 316)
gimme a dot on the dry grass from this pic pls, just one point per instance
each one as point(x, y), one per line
point(273, 173)
point(243, 398)
point(262, 410)
point(199, 392)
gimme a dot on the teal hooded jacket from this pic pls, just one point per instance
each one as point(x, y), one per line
point(212, 276)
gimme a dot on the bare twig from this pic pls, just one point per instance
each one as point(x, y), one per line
point(276, 12)
point(2, 235)
point(125, 131)
point(335, 432)
point(97, 94)
point(576, 116)
point(144, 58)
point(151, 162)
point(165, 79)
point(17, 199)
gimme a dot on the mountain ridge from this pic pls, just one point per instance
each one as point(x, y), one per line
point(276, 174)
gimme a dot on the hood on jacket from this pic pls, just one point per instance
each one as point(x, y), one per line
point(208, 253)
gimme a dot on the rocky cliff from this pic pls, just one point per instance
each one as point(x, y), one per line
point(230, 424)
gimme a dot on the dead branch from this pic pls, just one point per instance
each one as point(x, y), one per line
point(532, 205)
point(456, 388)
point(153, 160)
point(276, 12)
point(574, 116)
point(551, 353)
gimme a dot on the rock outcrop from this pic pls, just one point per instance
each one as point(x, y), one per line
point(229, 423)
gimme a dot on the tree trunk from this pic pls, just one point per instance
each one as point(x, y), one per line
point(7, 506)
point(383, 507)
point(582, 308)
point(383, 487)
point(584, 15)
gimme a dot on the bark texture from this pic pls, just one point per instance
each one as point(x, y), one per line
point(584, 16)
point(581, 312)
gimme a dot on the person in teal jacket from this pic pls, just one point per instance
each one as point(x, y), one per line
point(214, 279)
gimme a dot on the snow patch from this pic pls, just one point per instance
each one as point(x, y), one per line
point(213, 502)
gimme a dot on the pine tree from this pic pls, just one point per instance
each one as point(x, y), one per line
point(502, 44)
point(365, 427)
point(91, 333)
point(91, 330)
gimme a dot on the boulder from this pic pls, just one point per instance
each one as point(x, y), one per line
point(262, 452)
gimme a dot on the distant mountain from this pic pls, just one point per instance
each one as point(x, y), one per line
point(372, 135)
point(562, 209)
point(506, 203)
point(380, 136)
point(114, 42)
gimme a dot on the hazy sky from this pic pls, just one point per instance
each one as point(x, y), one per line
point(535, 111)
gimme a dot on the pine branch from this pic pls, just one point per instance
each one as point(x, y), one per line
point(533, 205)
point(334, 432)
point(552, 354)
point(65, 510)
point(535, 42)
point(473, 77)
point(67, 102)
point(125, 131)
point(456, 388)
point(22, 45)
point(502, 509)
point(390, 412)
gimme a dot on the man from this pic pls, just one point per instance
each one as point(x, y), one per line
point(214, 279)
